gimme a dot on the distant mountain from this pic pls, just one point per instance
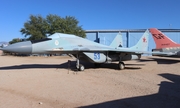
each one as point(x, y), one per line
point(4, 44)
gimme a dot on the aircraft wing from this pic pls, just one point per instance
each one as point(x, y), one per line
point(89, 48)
point(97, 48)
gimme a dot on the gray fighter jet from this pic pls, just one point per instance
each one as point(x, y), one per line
point(82, 49)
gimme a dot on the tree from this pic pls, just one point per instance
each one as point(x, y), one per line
point(34, 28)
point(15, 40)
point(38, 27)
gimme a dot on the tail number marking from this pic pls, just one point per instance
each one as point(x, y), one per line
point(96, 56)
point(158, 36)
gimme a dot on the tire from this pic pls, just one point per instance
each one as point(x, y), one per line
point(81, 67)
point(121, 65)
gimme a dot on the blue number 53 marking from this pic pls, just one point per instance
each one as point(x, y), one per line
point(96, 56)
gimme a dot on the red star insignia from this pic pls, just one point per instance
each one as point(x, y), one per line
point(144, 39)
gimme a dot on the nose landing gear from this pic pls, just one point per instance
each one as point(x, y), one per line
point(80, 67)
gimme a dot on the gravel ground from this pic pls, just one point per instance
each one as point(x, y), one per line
point(46, 82)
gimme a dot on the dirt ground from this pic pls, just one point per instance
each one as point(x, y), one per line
point(45, 82)
point(1, 52)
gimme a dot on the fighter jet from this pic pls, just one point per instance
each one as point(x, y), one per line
point(82, 49)
point(164, 44)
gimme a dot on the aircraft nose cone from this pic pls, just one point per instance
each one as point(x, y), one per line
point(20, 47)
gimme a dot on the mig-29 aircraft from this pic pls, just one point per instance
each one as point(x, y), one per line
point(82, 49)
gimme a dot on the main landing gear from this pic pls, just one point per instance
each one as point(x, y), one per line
point(121, 65)
point(81, 67)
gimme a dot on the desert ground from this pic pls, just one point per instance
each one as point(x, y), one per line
point(46, 82)
point(1, 52)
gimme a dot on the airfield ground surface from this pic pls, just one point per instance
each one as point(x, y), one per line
point(44, 82)
point(1, 52)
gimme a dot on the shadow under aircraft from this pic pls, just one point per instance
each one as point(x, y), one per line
point(168, 96)
point(69, 65)
point(161, 60)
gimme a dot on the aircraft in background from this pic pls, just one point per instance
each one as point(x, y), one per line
point(4, 44)
point(164, 44)
point(82, 49)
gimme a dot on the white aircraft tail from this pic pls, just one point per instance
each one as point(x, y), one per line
point(142, 44)
point(118, 41)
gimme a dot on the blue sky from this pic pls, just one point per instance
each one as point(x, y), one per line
point(91, 14)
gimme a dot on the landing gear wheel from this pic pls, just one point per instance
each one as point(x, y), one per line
point(121, 65)
point(81, 67)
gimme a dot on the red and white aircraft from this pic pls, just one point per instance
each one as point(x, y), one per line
point(164, 44)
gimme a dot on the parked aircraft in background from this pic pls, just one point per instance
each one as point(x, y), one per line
point(82, 49)
point(4, 44)
point(164, 44)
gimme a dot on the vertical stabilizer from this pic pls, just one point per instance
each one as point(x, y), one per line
point(142, 43)
point(118, 41)
point(161, 40)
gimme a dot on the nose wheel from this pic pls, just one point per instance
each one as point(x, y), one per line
point(121, 65)
point(81, 67)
